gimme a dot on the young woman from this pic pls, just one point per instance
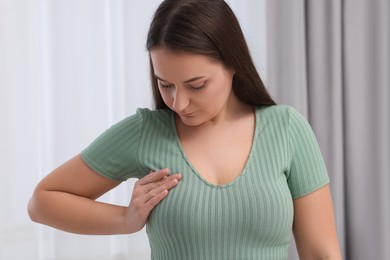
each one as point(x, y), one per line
point(224, 172)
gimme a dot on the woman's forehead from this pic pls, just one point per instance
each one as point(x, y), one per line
point(166, 62)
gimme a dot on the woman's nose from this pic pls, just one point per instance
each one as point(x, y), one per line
point(180, 100)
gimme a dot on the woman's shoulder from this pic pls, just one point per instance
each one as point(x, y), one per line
point(151, 111)
point(158, 117)
point(157, 113)
point(279, 108)
point(282, 115)
point(280, 111)
point(144, 116)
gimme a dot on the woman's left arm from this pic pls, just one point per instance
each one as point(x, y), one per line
point(314, 226)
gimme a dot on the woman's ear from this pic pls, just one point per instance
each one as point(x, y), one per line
point(230, 71)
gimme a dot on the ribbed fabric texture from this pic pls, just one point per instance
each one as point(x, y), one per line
point(248, 218)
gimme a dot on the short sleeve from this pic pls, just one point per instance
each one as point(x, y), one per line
point(307, 171)
point(114, 153)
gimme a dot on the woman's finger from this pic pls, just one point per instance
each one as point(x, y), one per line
point(154, 201)
point(154, 176)
point(166, 186)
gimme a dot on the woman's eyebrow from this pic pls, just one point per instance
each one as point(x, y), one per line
point(187, 81)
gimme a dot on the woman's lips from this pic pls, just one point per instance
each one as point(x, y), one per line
point(188, 114)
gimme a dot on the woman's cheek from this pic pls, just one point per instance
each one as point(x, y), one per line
point(167, 98)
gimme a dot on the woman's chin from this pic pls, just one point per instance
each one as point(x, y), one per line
point(190, 120)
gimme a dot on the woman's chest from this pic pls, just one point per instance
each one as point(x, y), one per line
point(218, 155)
point(254, 208)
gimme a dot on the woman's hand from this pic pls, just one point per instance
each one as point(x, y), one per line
point(148, 192)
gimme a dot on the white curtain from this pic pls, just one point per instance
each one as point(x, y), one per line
point(68, 70)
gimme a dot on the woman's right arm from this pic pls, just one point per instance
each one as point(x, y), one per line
point(65, 199)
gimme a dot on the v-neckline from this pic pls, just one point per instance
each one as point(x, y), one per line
point(195, 171)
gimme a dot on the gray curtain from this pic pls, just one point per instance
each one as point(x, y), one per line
point(330, 59)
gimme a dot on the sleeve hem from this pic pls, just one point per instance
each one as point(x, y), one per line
point(95, 167)
point(311, 190)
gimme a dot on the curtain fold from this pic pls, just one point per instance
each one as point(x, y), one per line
point(330, 59)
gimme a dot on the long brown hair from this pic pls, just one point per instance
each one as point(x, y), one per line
point(207, 27)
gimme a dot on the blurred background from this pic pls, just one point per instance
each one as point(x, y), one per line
point(70, 69)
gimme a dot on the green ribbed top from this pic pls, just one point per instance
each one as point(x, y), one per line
point(248, 218)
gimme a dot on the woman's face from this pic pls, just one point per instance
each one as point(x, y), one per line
point(196, 87)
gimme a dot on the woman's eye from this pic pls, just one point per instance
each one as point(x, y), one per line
point(193, 87)
point(166, 85)
point(198, 87)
